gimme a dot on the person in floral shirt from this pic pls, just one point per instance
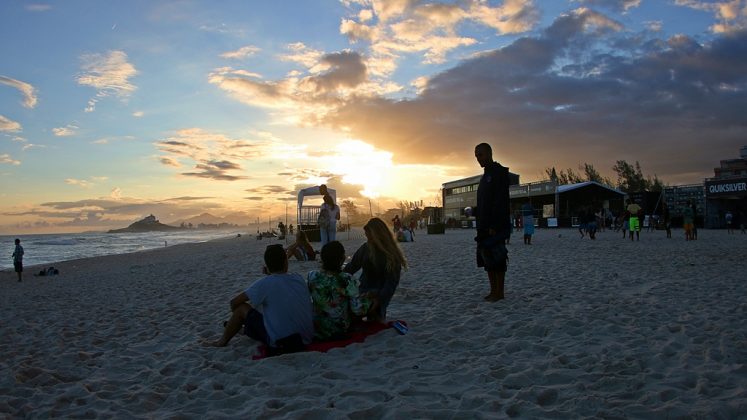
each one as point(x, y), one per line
point(335, 297)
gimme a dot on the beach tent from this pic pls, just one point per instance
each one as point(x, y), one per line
point(306, 216)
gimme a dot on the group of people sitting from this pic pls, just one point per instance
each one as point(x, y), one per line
point(286, 312)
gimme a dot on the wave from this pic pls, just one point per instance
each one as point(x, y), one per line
point(56, 242)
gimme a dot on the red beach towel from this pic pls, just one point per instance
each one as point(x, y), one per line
point(357, 336)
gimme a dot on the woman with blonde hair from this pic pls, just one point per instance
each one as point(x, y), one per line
point(382, 261)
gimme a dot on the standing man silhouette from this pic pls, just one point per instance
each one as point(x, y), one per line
point(493, 216)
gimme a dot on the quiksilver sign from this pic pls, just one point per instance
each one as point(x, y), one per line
point(727, 187)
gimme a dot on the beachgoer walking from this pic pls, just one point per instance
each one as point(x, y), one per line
point(396, 223)
point(382, 261)
point(728, 217)
point(666, 219)
point(275, 309)
point(328, 227)
point(688, 219)
point(492, 216)
point(335, 297)
point(591, 224)
point(18, 259)
point(527, 214)
point(581, 220)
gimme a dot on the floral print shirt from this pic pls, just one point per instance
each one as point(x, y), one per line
point(335, 299)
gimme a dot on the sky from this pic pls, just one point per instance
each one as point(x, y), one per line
point(110, 111)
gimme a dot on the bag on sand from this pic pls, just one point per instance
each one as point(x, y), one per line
point(323, 219)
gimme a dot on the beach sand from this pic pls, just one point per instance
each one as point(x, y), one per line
point(607, 328)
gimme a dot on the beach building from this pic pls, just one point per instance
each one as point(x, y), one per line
point(677, 198)
point(726, 191)
point(461, 194)
point(554, 205)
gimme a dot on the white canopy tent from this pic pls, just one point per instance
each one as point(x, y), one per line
point(306, 215)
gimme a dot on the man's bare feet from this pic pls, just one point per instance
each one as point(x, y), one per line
point(493, 298)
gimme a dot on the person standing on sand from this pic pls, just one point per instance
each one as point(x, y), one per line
point(635, 223)
point(328, 229)
point(285, 321)
point(527, 212)
point(728, 217)
point(492, 215)
point(687, 221)
point(18, 259)
point(666, 219)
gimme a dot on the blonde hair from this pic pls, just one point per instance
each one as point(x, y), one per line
point(381, 241)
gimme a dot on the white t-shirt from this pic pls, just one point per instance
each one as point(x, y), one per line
point(332, 214)
point(285, 304)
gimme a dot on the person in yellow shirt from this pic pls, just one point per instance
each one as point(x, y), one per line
point(635, 223)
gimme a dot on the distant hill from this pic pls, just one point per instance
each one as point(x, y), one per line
point(149, 224)
point(238, 218)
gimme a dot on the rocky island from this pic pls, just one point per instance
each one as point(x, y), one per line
point(148, 224)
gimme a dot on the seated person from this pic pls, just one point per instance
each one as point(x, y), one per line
point(284, 323)
point(382, 261)
point(404, 235)
point(301, 249)
point(334, 295)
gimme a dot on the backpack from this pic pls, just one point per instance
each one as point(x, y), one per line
point(323, 219)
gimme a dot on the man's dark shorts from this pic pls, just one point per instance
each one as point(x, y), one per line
point(254, 326)
point(18, 265)
point(493, 258)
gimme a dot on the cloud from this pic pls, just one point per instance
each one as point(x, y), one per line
point(241, 53)
point(615, 5)
point(138, 114)
point(32, 146)
point(217, 156)
point(216, 170)
point(8, 125)
point(79, 182)
point(731, 15)
point(170, 161)
point(38, 7)
point(109, 74)
point(28, 91)
point(431, 28)
point(6, 159)
point(645, 99)
point(67, 131)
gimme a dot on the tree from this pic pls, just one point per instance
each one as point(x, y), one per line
point(594, 175)
point(630, 178)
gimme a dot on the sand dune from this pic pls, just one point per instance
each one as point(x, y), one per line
point(605, 328)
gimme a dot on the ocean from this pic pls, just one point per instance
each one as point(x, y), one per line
point(51, 248)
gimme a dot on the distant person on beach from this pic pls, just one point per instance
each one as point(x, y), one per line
point(695, 221)
point(666, 219)
point(634, 222)
point(18, 259)
point(275, 309)
point(591, 223)
point(382, 261)
point(328, 217)
point(688, 219)
point(527, 214)
point(581, 218)
point(492, 216)
point(335, 296)
point(396, 223)
point(301, 249)
point(728, 218)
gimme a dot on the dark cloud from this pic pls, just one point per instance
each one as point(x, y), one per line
point(347, 70)
point(615, 5)
point(216, 170)
point(269, 189)
point(567, 96)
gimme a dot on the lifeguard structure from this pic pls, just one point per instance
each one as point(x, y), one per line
point(307, 215)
